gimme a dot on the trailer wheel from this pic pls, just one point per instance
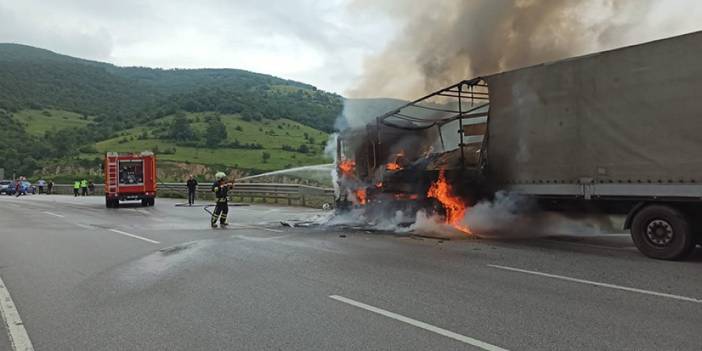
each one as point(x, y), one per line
point(662, 232)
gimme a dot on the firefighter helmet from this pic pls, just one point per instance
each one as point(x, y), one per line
point(220, 175)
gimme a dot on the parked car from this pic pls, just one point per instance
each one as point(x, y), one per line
point(28, 187)
point(7, 187)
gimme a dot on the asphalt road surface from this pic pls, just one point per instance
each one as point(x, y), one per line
point(83, 277)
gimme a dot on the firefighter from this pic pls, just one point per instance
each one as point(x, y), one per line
point(84, 187)
point(76, 188)
point(192, 187)
point(220, 188)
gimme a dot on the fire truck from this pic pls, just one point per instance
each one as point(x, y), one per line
point(130, 177)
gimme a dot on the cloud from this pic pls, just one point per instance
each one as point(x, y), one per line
point(16, 25)
point(318, 42)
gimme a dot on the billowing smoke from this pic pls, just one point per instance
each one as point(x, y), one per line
point(443, 42)
point(510, 215)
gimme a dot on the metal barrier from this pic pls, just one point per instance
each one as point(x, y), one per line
point(68, 189)
point(292, 194)
point(302, 195)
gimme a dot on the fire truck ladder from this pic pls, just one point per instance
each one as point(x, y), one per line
point(112, 176)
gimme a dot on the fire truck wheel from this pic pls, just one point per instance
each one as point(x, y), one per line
point(152, 201)
point(108, 202)
point(662, 232)
point(144, 202)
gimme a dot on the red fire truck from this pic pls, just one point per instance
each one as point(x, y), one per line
point(130, 177)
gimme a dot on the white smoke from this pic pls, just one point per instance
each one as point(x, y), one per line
point(433, 226)
point(510, 215)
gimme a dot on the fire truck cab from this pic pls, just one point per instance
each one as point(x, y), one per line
point(130, 177)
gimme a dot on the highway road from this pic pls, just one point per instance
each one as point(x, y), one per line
point(82, 277)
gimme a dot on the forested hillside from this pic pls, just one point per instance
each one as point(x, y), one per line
point(63, 106)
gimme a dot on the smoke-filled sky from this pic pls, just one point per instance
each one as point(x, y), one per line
point(362, 48)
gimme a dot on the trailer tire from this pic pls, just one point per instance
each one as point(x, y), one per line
point(662, 232)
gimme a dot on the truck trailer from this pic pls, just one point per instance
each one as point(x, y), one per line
point(616, 132)
point(130, 177)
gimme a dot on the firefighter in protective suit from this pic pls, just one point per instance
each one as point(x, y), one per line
point(221, 189)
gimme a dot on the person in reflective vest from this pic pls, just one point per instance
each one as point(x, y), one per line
point(84, 186)
point(221, 190)
point(76, 187)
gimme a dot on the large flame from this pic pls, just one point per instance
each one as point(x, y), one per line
point(453, 205)
point(347, 166)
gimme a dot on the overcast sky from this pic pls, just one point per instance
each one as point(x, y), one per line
point(321, 42)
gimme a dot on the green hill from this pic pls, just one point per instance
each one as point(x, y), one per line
point(38, 122)
point(68, 107)
point(121, 97)
point(244, 147)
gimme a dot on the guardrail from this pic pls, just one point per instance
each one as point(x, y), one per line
point(292, 194)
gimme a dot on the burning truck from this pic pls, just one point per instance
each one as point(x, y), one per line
point(414, 158)
point(617, 132)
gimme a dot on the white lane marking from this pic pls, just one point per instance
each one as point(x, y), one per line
point(134, 236)
point(19, 339)
point(462, 338)
point(84, 226)
point(54, 214)
point(604, 285)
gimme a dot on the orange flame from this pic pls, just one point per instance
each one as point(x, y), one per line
point(361, 196)
point(347, 166)
point(392, 166)
point(453, 205)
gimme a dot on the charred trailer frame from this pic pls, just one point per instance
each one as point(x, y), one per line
point(397, 158)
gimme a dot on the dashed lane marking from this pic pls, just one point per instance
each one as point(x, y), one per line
point(604, 285)
point(134, 236)
point(54, 214)
point(447, 333)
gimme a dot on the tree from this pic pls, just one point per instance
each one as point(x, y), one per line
point(216, 132)
point(180, 129)
point(265, 157)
